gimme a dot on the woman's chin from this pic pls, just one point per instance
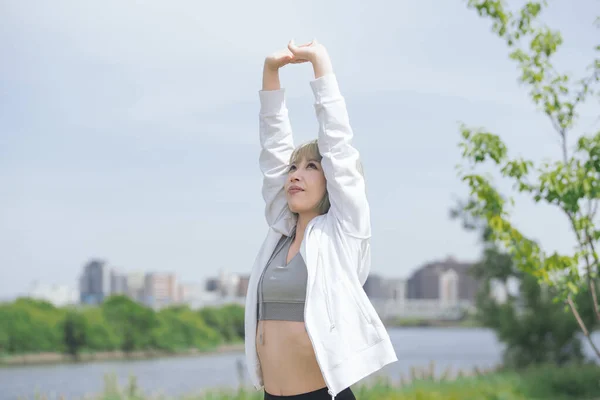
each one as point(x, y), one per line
point(297, 208)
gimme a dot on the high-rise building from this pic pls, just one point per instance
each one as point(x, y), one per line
point(427, 281)
point(212, 285)
point(161, 290)
point(136, 286)
point(118, 282)
point(94, 283)
point(374, 286)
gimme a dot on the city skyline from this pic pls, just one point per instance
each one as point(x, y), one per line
point(439, 290)
point(203, 280)
point(140, 145)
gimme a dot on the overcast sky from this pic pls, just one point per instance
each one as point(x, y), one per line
point(129, 130)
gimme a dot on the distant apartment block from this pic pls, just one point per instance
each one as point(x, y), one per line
point(448, 280)
point(118, 283)
point(136, 286)
point(212, 284)
point(94, 283)
point(374, 286)
point(378, 287)
point(161, 290)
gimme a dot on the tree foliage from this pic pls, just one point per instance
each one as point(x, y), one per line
point(520, 309)
point(571, 184)
point(33, 326)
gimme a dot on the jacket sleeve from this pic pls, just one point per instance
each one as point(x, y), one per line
point(276, 147)
point(340, 163)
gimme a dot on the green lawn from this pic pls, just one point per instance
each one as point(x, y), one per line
point(551, 383)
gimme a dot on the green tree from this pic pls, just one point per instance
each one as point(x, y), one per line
point(130, 321)
point(220, 321)
point(99, 335)
point(235, 319)
point(75, 329)
point(180, 328)
point(572, 184)
point(533, 327)
point(31, 326)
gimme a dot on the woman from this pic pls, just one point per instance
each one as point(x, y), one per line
point(311, 331)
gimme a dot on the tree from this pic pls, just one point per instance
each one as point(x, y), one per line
point(131, 321)
point(74, 327)
point(534, 328)
point(572, 184)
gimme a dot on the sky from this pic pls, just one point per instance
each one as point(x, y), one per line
point(129, 130)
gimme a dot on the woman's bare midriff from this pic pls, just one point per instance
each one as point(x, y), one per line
point(287, 359)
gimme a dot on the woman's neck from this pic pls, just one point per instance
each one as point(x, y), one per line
point(302, 223)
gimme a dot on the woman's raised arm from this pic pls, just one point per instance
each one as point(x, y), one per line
point(276, 139)
point(341, 165)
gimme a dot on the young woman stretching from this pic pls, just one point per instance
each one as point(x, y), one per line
point(310, 329)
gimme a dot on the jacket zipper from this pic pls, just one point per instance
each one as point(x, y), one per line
point(327, 302)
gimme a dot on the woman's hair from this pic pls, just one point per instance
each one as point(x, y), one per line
point(310, 151)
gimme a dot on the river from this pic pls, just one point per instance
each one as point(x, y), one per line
point(455, 348)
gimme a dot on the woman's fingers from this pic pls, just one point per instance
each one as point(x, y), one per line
point(307, 44)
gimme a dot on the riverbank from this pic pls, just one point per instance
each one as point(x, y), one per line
point(60, 358)
point(432, 323)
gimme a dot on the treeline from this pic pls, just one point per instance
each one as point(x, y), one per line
point(34, 326)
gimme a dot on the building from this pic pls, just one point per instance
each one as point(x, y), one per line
point(118, 283)
point(375, 287)
point(161, 290)
point(136, 286)
point(448, 279)
point(59, 295)
point(192, 295)
point(228, 283)
point(94, 283)
point(212, 285)
point(242, 288)
point(395, 289)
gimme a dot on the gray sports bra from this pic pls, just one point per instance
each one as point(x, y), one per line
point(282, 286)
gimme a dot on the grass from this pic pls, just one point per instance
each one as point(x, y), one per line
point(539, 383)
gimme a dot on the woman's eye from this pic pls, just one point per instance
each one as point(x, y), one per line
point(291, 168)
point(312, 165)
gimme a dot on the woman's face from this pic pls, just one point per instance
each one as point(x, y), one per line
point(305, 186)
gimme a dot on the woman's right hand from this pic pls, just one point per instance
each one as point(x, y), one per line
point(283, 57)
point(278, 59)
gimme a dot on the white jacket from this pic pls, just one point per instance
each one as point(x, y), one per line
point(348, 337)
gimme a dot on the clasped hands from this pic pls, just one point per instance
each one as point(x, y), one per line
point(313, 52)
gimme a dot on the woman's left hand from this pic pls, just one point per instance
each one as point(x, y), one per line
point(314, 52)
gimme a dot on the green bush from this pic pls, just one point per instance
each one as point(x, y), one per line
point(573, 382)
